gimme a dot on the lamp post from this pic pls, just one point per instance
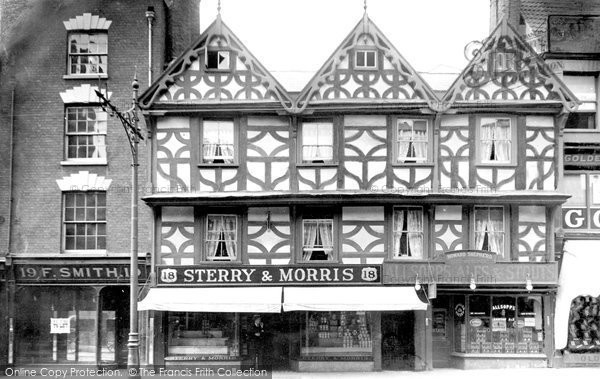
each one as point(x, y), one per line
point(129, 120)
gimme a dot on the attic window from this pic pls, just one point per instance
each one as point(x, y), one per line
point(505, 62)
point(365, 59)
point(217, 60)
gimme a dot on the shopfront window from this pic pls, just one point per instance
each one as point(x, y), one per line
point(499, 324)
point(329, 334)
point(55, 325)
point(211, 335)
point(584, 325)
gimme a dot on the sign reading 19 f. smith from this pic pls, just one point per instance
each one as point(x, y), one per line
point(268, 275)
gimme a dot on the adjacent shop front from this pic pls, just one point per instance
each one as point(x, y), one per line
point(314, 318)
point(486, 314)
point(69, 312)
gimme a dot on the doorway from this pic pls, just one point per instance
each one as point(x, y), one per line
point(114, 325)
point(279, 337)
point(398, 340)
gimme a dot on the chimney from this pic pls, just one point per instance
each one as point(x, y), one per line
point(505, 9)
point(183, 25)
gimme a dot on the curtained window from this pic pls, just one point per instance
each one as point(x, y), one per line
point(317, 240)
point(495, 138)
point(408, 233)
point(489, 229)
point(217, 142)
point(221, 238)
point(411, 141)
point(317, 142)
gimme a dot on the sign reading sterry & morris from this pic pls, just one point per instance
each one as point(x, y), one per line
point(268, 275)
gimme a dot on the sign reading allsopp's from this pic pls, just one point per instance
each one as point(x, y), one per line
point(268, 275)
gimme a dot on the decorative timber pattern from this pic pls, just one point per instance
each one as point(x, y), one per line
point(342, 78)
point(177, 236)
point(448, 229)
point(219, 179)
point(236, 76)
point(532, 234)
point(269, 236)
point(173, 148)
point(365, 152)
point(540, 152)
point(506, 68)
point(268, 152)
point(454, 151)
point(414, 178)
point(363, 237)
point(317, 178)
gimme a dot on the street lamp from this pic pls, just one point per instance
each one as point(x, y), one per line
point(129, 120)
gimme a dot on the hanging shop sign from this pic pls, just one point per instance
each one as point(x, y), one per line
point(268, 275)
point(483, 273)
point(79, 273)
point(582, 159)
point(574, 34)
point(461, 256)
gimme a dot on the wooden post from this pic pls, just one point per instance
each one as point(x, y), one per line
point(377, 340)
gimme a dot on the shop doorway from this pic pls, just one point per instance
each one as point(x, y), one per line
point(398, 340)
point(114, 325)
point(279, 328)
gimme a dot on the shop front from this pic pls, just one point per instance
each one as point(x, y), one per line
point(487, 314)
point(69, 313)
point(578, 305)
point(298, 318)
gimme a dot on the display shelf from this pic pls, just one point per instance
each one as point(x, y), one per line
point(334, 350)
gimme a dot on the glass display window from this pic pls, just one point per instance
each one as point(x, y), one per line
point(329, 334)
point(584, 325)
point(213, 335)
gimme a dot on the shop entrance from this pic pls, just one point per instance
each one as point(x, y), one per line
point(398, 340)
point(279, 328)
point(114, 325)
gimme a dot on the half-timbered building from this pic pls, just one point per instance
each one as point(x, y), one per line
point(370, 224)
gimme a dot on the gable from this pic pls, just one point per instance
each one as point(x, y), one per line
point(507, 69)
point(345, 78)
point(216, 69)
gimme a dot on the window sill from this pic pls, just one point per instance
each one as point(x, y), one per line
point(499, 355)
point(86, 253)
point(496, 165)
point(325, 165)
point(218, 165)
point(85, 76)
point(84, 162)
point(220, 262)
point(413, 164)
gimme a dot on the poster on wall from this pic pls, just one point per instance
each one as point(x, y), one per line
point(574, 34)
point(60, 325)
point(498, 324)
point(439, 323)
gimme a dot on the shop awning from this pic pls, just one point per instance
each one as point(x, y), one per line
point(223, 299)
point(578, 276)
point(351, 299)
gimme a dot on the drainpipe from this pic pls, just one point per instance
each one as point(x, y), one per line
point(150, 17)
point(10, 169)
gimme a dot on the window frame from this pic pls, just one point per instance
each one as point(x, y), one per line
point(513, 140)
point(318, 213)
point(334, 143)
point(238, 230)
point(590, 207)
point(506, 253)
point(366, 51)
point(89, 32)
point(395, 141)
point(85, 222)
point(425, 228)
point(595, 113)
point(231, 57)
point(236, 146)
point(67, 134)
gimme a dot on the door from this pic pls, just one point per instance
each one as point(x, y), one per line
point(277, 350)
point(397, 343)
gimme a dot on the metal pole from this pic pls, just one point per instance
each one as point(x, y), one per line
point(133, 344)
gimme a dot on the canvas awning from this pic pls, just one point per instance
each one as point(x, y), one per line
point(351, 299)
point(222, 299)
point(578, 276)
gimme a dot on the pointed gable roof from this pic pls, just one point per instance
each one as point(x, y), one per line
point(392, 80)
point(507, 69)
point(188, 81)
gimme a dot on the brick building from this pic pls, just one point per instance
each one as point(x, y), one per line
point(65, 176)
point(566, 35)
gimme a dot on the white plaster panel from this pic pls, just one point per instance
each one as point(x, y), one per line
point(177, 214)
point(280, 261)
point(362, 214)
point(374, 261)
point(455, 120)
point(463, 172)
point(172, 123)
point(267, 121)
point(278, 214)
point(257, 262)
point(183, 173)
point(448, 212)
point(532, 214)
point(531, 172)
point(375, 168)
point(351, 261)
point(365, 120)
point(539, 121)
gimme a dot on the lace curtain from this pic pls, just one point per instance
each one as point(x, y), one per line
point(495, 141)
point(412, 140)
point(221, 238)
point(318, 235)
point(217, 143)
point(317, 142)
point(408, 233)
point(489, 230)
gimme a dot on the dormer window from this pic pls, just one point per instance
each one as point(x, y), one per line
point(366, 59)
point(218, 60)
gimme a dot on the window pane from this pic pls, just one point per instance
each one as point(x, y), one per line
point(317, 141)
point(360, 58)
point(576, 186)
point(581, 120)
point(371, 59)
